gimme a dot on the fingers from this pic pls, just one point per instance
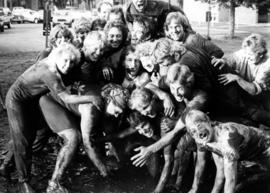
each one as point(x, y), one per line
point(139, 162)
point(108, 73)
point(111, 73)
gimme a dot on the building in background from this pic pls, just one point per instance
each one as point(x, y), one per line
point(220, 13)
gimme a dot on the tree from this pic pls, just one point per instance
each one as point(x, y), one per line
point(232, 4)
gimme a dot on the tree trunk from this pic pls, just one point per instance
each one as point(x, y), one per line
point(232, 19)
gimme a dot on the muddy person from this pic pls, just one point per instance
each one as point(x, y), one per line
point(22, 103)
point(229, 143)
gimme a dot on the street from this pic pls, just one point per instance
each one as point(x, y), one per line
point(22, 38)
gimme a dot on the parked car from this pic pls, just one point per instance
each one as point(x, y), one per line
point(7, 16)
point(17, 19)
point(68, 15)
point(28, 14)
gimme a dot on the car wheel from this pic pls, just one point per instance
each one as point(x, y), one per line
point(2, 29)
point(35, 20)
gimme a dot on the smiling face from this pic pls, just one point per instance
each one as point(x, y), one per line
point(145, 129)
point(65, 62)
point(132, 64)
point(175, 30)
point(94, 50)
point(115, 37)
point(199, 126)
point(140, 5)
point(113, 110)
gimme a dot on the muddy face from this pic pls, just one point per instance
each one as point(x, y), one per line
point(132, 64)
point(202, 132)
point(145, 129)
point(140, 5)
point(180, 91)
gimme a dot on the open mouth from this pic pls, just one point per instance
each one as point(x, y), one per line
point(203, 135)
point(179, 98)
point(140, 5)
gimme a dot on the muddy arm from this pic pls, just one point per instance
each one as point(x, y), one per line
point(219, 180)
point(230, 171)
point(199, 169)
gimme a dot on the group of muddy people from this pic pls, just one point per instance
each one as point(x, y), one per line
point(140, 79)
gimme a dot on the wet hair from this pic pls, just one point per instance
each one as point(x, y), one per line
point(256, 42)
point(103, 3)
point(181, 73)
point(181, 18)
point(94, 35)
point(119, 11)
point(59, 31)
point(98, 24)
point(144, 95)
point(147, 24)
point(135, 118)
point(82, 25)
point(196, 116)
point(119, 25)
point(115, 93)
point(166, 47)
point(66, 48)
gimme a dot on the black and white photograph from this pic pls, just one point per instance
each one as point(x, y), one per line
point(134, 96)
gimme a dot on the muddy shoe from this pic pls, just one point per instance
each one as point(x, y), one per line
point(55, 187)
point(26, 188)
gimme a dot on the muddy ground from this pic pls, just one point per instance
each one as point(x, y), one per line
point(81, 177)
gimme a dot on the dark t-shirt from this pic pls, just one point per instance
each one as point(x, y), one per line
point(196, 41)
point(156, 11)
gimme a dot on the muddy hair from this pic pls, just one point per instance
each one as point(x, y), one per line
point(181, 73)
point(66, 48)
point(256, 42)
point(135, 118)
point(59, 31)
point(82, 25)
point(115, 93)
point(196, 116)
point(143, 94)
point(147, 24)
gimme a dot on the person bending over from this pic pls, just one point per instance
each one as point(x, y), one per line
point(64, 119)
point(229, 143)
point(22, 102)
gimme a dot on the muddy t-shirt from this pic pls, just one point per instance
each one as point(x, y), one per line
point(249, 142)
point(38, 80)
